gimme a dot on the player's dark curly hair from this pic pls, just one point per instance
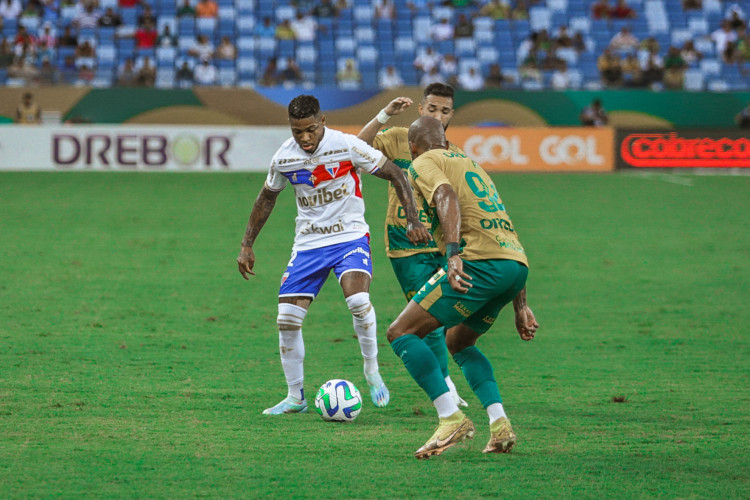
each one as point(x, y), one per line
point(303, 106)
point(439, 89)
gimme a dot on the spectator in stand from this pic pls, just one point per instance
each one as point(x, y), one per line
point(496, 9)
point(520, 11)
point(166, 38)
point(145, 36)
point(470, 79)
point(23, 69)
point(110, 19)
point(68, 39)
point(448, 68)
point(674, 70)
point(560, 77)
point(723, 36)
point(284, 31)
point(464, 27)
point(623, 41)
point(610, 69)
point(146, 16)
point(266, 29)
point(601, 10)
point(631, 71)
point(48, 74)
point(304, 27)
point(384, 9)
point(692, 4)
point(433, 76)
point(270, 74)
point(324, 9)
point(390, 78)
point(730, 54)
point(579, 43)
point(743, 48)
point(653, 73)
point(742, 119)
point(10, 9)
point(33, 9)
point(205, 73)
point(85, 54)
point(291, 75)
point(622, 11)
point(563, 38)
point(127, 76)
point(207, 9)
point(186, 9)
point(735, 17)
point(441, 31)
point(552, 60)
point(495, 79)
point(184, 76)
point(349, 77)
point(146, 73)
point(89, 18)
point(47, 41)
point(426, 60)
point(690, 54)
point(594, 115)
point(6, 53)
point(202, 48)
point(530, 67)
point(226, 49)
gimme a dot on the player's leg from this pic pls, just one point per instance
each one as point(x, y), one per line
point(405, 335)
point(301, 282)
point(354, 271)
point(412, 272)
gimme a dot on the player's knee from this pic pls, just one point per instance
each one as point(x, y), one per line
point(456, 343)
point(290, 317)
point(393, 332)
point(359, 305)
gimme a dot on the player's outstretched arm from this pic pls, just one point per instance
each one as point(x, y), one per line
point(262, 208)
point(415, 230)
point(449, 214)
point(393, 108)
point(526, 323)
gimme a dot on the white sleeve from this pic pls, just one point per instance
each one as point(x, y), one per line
point(275, 180)
point(363, 155)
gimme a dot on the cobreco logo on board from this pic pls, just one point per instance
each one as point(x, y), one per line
point(133, 151)
point(684, 149)
point(537, 149)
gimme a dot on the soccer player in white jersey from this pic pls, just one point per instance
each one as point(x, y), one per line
point(323, 165)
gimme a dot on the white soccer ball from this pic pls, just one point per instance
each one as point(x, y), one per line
point(338, 401)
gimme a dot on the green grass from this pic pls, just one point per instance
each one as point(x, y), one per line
point(135, 361)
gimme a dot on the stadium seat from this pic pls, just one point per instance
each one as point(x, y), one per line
point(694, 80)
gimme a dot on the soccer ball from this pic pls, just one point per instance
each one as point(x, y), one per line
point(338, 401)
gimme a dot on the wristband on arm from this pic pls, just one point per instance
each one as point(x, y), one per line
point(451, 249)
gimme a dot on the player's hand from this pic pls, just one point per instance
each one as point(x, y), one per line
point(398, 105)
point(246, 261)
point(526, 323)
point(417, 233)
point(457, 278)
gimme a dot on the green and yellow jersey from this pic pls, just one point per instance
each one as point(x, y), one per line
point(394, 144)
point(486, 229)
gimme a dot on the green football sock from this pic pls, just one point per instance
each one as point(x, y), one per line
point(478, 372)
point(421, 364)
point(435, 340)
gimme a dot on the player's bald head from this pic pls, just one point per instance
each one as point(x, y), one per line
point(426, 133)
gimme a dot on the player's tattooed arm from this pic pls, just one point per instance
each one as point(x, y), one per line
point(449, 213)
point(393, 108)
point(415, 230)
point(262, 208)
point(526, 323)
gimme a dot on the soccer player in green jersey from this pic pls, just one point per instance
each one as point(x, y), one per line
point(486, 269)
point(412, 264)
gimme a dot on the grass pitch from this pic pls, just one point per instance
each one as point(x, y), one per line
point(135, 361)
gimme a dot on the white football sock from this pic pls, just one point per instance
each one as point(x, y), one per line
point(365, 325)
point(291, 347)
point(445, 405)
point(495, 411)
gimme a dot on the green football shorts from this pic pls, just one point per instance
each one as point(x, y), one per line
point(413, 271)
point(495, 283)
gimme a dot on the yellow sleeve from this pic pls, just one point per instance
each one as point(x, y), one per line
point(426, 175)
